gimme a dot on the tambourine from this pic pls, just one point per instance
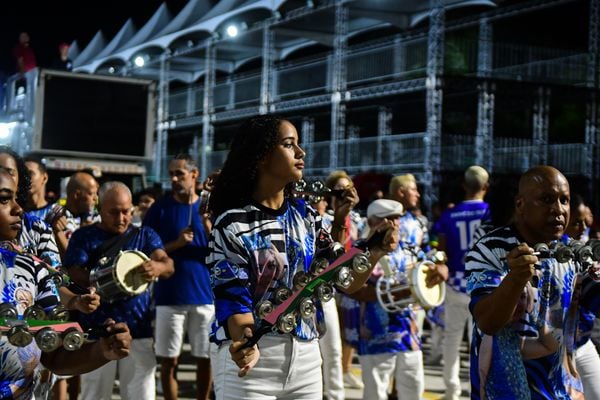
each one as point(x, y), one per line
point(312, 192)
point(49, 329)
point(281, 315)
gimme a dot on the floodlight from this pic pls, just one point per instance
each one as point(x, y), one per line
point(232, 30)
point(139, 61)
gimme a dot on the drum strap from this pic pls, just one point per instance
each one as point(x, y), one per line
point(111, 247)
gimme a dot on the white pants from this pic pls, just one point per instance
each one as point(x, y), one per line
point(588, 366)
point(456, 308)
point(331, 352)
point(378, 368)
point(173, 322)
point(287, 369)
point(136, 375)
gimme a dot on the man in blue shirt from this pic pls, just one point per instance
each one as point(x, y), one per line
point(184, 302)
point(136, 373)
point(456, 227)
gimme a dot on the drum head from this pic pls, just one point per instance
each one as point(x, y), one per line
point(126, 273)
point(427, 297)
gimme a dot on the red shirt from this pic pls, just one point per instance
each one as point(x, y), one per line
point(26, 53)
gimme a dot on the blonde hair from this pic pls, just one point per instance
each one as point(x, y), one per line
point(401, 181)
point(335, 176)
point(476, 178)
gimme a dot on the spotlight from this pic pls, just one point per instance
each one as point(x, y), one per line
point(232, 31)
point(139, 61)
point(6, 129)
point(111, 70)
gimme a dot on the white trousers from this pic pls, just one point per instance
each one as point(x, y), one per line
point(136, 375)
point(331, 352)
point(588, 366)
point(377, 370)
point(287, 369)
point(456, 308)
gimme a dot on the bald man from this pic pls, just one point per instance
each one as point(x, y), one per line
point(511, 310)
point(82, 195)
point(87, 247)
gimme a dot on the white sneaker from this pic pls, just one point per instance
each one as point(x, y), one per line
point(352, 381)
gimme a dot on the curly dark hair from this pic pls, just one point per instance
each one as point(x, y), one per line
point(254, 140)
point(23, 174)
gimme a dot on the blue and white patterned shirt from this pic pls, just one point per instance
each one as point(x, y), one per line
point(498, 370)
point(244, 242)
point(373, 330)
point(23, 282)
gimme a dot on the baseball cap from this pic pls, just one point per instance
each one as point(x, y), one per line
point(383, 208)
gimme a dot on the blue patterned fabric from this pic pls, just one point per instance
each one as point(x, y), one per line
point(498, 368)
point(23, 283)
point(136, 311)
point(413, 232)
point(373, 330)
point(41, 212)
point(37, 238)
point(245, 243)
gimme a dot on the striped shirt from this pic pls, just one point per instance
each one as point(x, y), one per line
point(244, 243)
point(498, 370)
point(37, 238)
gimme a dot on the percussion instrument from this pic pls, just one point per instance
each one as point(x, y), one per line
point(283, 315)
point(48, 334)
point(397, 291)
point(312, 192)
point(119, 278)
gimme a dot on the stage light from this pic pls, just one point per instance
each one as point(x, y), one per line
point(6, 129)
point(139, 61)
point(232, 31)
point(111, 70)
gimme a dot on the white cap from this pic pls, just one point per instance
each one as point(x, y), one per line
point(384, 208)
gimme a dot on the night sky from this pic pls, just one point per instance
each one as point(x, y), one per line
point(50, 22)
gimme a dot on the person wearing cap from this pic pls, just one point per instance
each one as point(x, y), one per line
point(456, 227)
point(388, 342)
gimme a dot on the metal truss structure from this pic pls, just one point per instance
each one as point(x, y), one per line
point(272, 66)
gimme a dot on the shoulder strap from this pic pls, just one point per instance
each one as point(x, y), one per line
point(111, 247)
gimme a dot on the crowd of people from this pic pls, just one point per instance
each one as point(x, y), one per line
point(211, 257)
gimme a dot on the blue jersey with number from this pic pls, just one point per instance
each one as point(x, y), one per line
point(458, 224)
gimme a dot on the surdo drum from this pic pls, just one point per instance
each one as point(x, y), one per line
point(119, 278)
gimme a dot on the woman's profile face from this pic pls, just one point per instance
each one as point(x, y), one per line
point(285, 163)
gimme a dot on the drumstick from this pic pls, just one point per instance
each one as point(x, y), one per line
point(191, 206)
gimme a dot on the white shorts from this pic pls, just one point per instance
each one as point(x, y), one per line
point(136, 375)
point(173, 321)
point(287, 369)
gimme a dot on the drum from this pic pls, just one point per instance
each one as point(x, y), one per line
point(119, 278)
point(396, 293)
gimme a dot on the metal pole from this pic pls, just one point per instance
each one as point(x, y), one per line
point(338, 83)
point(207, 108)
point(434, 98)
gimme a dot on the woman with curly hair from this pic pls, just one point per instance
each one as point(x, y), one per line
point(261, 238)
